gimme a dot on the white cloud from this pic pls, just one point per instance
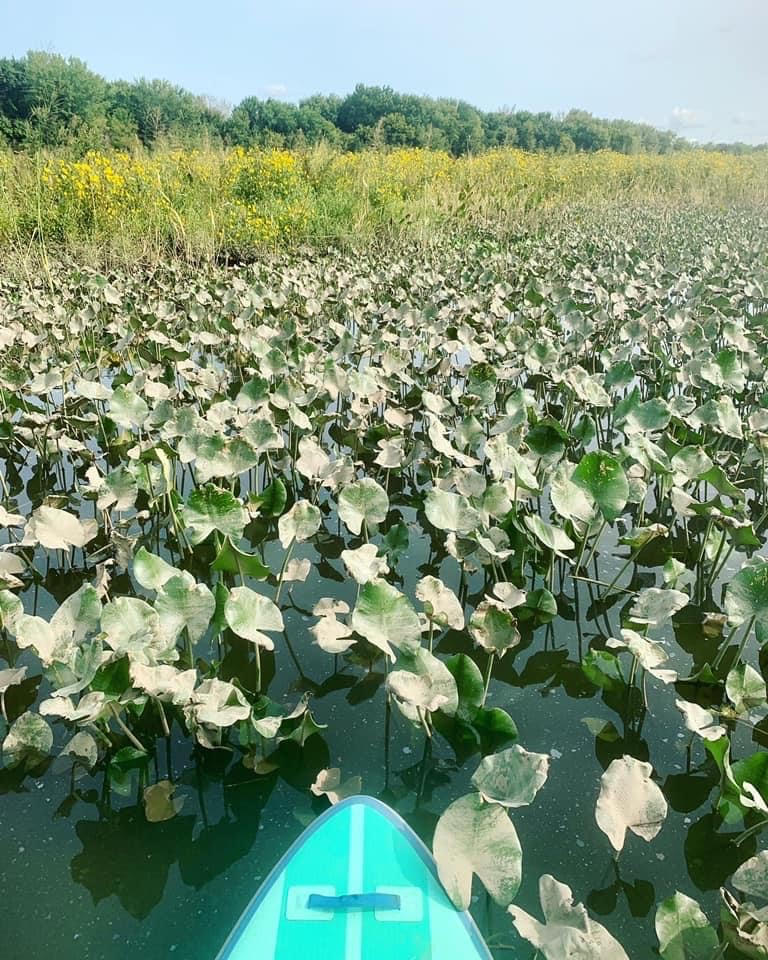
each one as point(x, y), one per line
point(683, 118)
point(275, 90)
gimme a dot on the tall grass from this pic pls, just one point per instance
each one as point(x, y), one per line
point(205, 204)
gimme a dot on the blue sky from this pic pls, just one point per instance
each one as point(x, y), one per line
point(696, 66)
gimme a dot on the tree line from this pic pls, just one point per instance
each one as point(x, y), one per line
point(47, 100)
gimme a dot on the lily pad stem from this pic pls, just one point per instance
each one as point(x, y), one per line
point(125, 729)
point(615, 580)
point(423, 721)
point(488, 672)
point(163, 718)
point(724, 648)
point(280, 578)
point(751, 831)
point(744, 639)
point(594, 545)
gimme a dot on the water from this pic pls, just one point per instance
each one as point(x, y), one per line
point(85, 876)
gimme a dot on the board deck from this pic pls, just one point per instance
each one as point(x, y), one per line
point(360, 846)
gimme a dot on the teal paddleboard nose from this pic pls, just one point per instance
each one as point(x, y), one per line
point(358, 884)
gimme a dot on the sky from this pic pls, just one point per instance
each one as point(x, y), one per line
point(694, 66)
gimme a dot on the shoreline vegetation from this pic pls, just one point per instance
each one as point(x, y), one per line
point(47, 100)
point(113, 172)
point(233, 204)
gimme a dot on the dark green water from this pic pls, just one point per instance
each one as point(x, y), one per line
point(85, 876)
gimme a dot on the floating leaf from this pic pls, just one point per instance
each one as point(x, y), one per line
point(683, 930)
point(160, 803)
point(752, 876)
point(386, 619)
point(81, 752)
point(28, 741)
point(474, 837)
point(211, 508)
point(568, 930)
point(603, 478)
point(297, 570)
point(629, 800)
point(328, 783)
point(11, 677)
point(249, 613)
point(512, 777)
point(601, 729)
point(363, 502)
point(301, 522)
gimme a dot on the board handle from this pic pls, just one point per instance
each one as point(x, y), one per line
point(354, 901)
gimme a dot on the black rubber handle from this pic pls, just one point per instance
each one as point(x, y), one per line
point(354, 901)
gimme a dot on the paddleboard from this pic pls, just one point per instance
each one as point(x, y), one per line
point(358, 884)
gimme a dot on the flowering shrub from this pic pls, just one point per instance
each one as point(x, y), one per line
point(239, 200)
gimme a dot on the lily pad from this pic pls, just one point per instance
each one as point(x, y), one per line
point(568, 930)
point(386, 619)
point(512, 777)
point(602, 477)
point(211, 508)
point(301, 522)
point(475, 837)
point(28, 741)
point(629, 800)
point(249, 613)
point(160, 803)
point(683, 930)
point(363, 502)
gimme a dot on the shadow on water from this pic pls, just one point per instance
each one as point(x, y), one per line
point(125, 856)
